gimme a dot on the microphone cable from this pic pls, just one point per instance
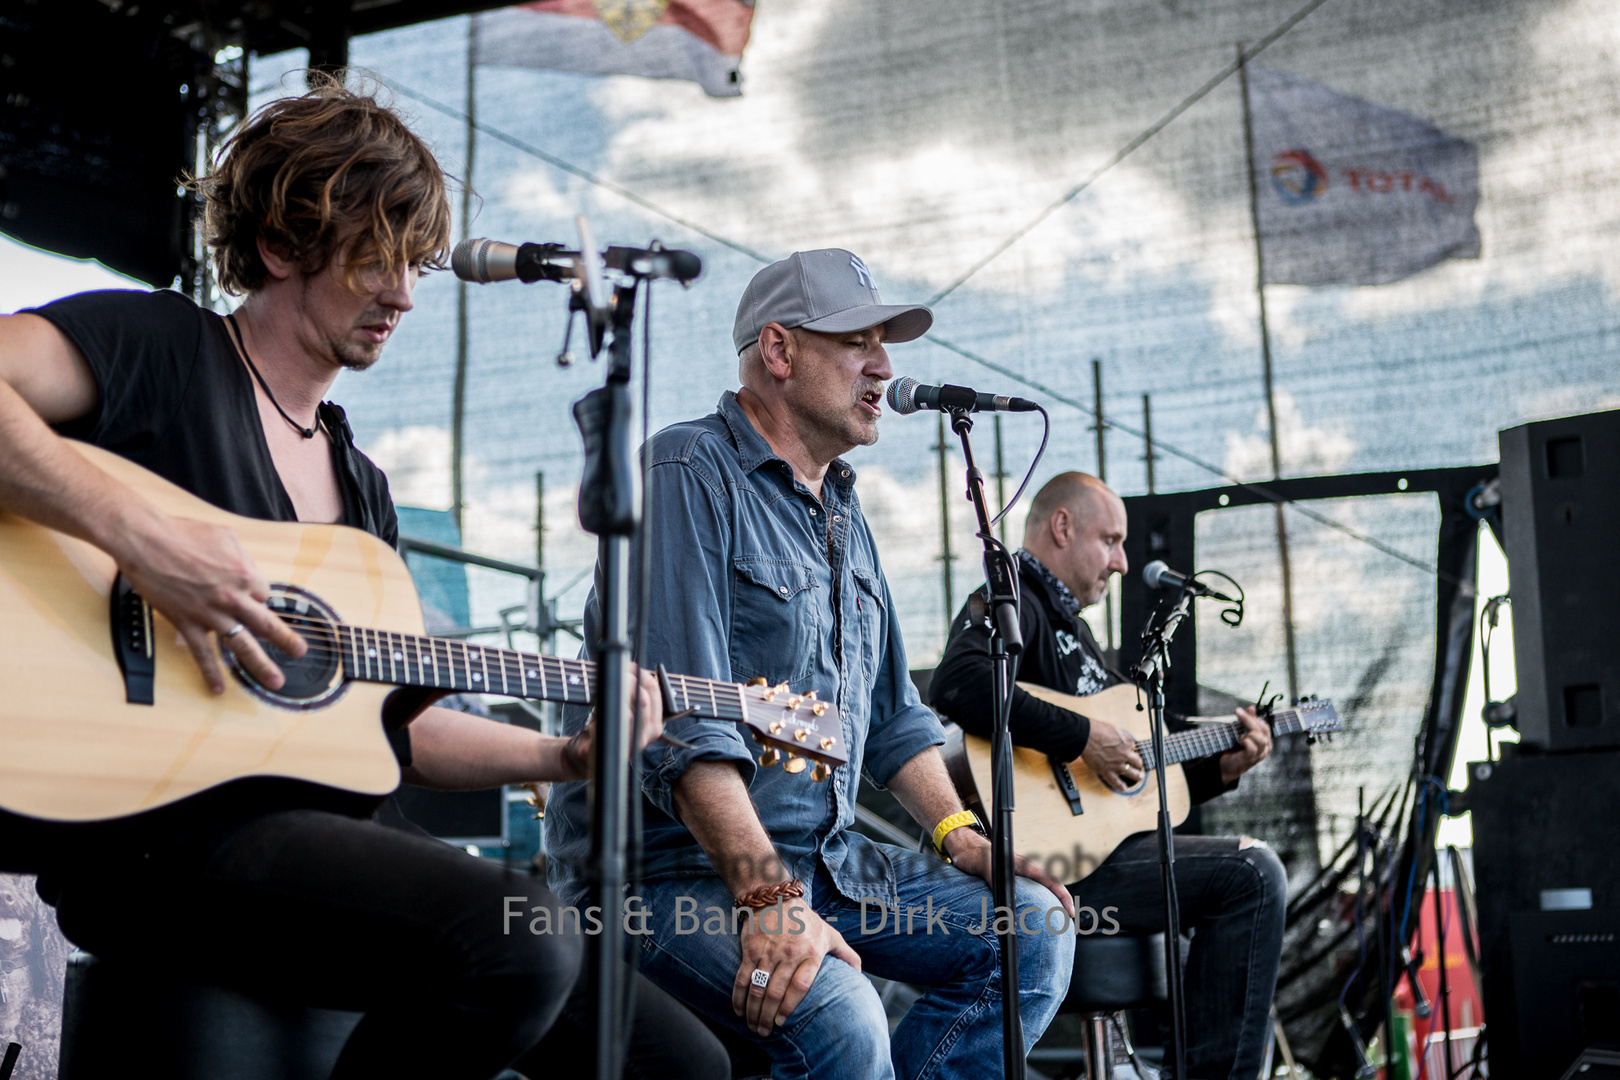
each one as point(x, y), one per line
point(1046, 433)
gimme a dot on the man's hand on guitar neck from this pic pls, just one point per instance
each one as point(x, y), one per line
point(1111, 753)
point(1252, 749)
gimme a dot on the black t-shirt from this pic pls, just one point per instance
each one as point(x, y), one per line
point(175, 398)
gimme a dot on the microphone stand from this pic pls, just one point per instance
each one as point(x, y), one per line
point(1148, 674)
point(608, 508)
point(1006, 644)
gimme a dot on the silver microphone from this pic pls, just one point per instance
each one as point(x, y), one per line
point(907, 395)
point(484, 260)
point(1156, 575)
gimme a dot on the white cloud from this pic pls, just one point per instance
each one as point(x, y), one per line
point(30, 277)
point(1304, 450)
point(417, 461)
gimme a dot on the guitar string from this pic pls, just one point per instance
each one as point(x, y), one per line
point(331, 634)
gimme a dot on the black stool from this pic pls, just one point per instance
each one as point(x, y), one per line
point(119, 1021)
point(1112, 974)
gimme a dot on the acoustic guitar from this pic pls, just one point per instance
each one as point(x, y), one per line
point(1067, 819)
point(105, 713)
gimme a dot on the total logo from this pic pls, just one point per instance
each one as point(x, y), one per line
point(1298, 177)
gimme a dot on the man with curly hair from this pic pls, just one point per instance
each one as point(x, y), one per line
point(323, 211)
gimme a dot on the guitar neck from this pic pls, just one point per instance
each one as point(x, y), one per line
point(459, 667)
point(1208, 739)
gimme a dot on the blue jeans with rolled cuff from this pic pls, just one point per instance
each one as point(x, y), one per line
point(939, 939)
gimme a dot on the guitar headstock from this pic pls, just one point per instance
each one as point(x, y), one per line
point(1315, 716)
point(794, 729)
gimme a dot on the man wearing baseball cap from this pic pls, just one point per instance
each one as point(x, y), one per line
point(763, 567)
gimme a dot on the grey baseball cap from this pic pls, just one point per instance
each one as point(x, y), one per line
point(830, 290)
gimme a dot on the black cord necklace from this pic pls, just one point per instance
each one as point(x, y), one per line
point(306, 432)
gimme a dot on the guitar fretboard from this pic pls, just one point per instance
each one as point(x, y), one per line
point(1207, 739)
point(457, 666)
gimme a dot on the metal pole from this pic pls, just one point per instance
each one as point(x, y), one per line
point(1147, 438)
point(540, 521)
point(1271, 398)
point(945, 558)
point(1001, 483)
point(458, 406)
point(1102, 474)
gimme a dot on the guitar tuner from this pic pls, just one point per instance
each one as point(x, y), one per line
point(802, 735)
point(820, 772)
point(769, 757)
point(795, 764)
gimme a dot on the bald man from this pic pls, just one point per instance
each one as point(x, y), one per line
point(1232, 889)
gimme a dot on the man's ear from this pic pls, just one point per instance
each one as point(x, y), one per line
point(777, 350)
point(275, 256)
point(1062, 525)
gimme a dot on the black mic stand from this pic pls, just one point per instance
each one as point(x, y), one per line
point(1006, 644)
point(1148, 674)
point(608, 508)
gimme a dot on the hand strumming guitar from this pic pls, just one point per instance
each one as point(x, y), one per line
point(1111, 753)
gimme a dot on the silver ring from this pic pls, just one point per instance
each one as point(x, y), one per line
point(760, 978)
point(232, 632)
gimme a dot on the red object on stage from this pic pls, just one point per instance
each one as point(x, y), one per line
point(1467, 1013)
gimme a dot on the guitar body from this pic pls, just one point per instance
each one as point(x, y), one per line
point(1045, 827)
point(73, 749)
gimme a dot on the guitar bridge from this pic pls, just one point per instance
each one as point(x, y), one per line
point(131, 619)
point(1066, 785)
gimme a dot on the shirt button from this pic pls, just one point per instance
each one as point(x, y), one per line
point(838, 517)
point(844, 473)
point(813, 512)
point(782, 589)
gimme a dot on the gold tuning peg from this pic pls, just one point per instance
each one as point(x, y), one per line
point(795, 764)
point(820, 772)
point(810, 695)
point(536, 800)
point(757, 680)
point(769, 757)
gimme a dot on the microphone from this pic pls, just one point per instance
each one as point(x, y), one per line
point(1159, 576)
point(483, 261)
point(907, 395)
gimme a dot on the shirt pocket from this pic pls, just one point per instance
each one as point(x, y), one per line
point(773, 620)
point(870, 609)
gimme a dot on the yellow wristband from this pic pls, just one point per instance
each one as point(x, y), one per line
point(950, 825)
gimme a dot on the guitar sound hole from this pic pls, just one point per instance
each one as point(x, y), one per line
point(314, 679)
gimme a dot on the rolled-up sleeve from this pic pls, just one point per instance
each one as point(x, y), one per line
point(688, 533)
point(902, 726)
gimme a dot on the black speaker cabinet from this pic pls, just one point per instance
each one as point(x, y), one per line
point(1560, 520)
point(1547, 881)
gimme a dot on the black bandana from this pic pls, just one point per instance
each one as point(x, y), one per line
point(1065, 597)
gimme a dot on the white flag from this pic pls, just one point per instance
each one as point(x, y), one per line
point(1352, 193)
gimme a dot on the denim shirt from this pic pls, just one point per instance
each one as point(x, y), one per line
point(752, 576)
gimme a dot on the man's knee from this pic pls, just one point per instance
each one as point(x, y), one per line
point(842, 1011)
point(1273, 878)
point(1045, 941)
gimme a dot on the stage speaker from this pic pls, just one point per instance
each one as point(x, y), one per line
point(1597, 1063)
point(1547, 884)
point(1560, 515)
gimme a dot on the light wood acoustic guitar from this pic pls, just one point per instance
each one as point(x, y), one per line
point(104, 713)
point(1067, 819)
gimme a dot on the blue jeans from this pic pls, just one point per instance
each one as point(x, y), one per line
point(1232, 899)
point(839, 1031)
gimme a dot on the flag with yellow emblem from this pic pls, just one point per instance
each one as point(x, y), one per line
point(698, 40)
